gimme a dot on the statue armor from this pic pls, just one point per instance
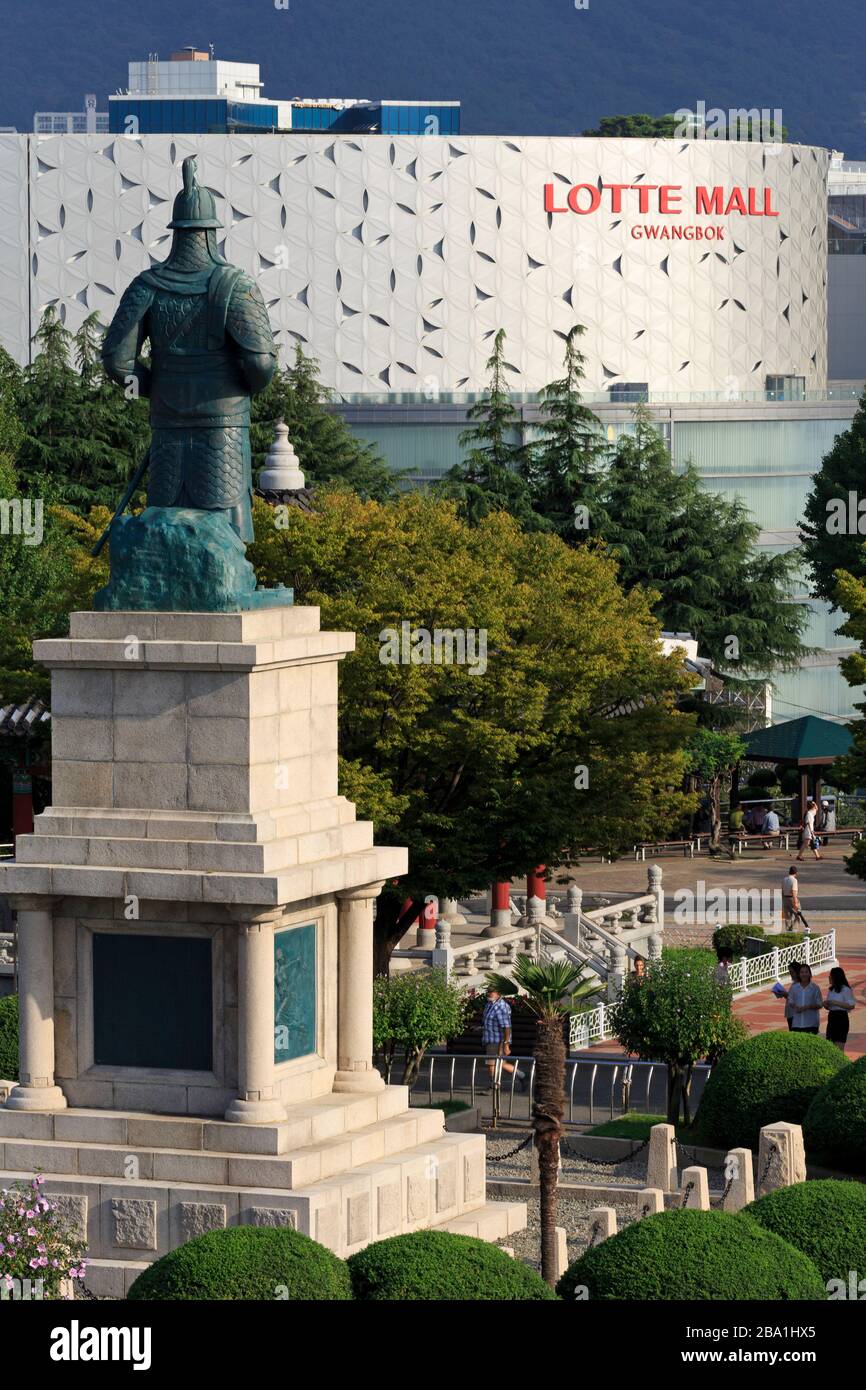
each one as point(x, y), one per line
point(211, 349)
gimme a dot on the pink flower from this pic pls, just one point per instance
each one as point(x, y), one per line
point(34, 1264)
point(32, 1231)
point(41, 1249)
point(55, 1264)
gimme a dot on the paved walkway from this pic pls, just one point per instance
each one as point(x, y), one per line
point(763, 1013)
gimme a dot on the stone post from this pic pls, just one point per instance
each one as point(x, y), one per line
point(355, 1070)
point(443, 955)
point(696, 1188)
point(561, 1251)
point(781, 1157)
point(36, 1089)
point(574, 898)
point(451, 910)
point(662, 1164)
point(602, 1223)
point(649, 1201)
point(654, 885)
point(257, 1101)
point(739, 1180)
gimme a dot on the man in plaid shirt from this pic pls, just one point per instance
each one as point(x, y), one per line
point(496, 1035)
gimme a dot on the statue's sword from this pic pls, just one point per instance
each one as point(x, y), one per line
point(124, 502)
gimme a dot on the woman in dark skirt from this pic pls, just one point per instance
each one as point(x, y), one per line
point(839, 1004)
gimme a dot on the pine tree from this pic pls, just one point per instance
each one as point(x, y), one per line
point(698, 551)
point(564, 466)
point(492, 477)
point(81, 437)
point(829, 544)
point(327, 450)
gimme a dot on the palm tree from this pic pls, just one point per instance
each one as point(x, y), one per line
point(550, 989)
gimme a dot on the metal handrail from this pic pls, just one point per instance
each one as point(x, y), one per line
point(624, 1072)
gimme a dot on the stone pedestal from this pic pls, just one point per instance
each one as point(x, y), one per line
point(196, 950)
point(602, 1224)
point(650, 1201)
point(197, 842)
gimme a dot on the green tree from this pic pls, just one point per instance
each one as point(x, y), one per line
point(81, 437)
point(697, 550)
point(550, 989)
point(491, 477)
point(828, 542)
point(327, 450)
point(849, 772)
point(411, 1011)
point(674, 1014)
point(640, 126)
point(472, 763)
point(712, 757)
point(564, 465)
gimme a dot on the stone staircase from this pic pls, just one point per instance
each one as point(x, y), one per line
point(344, 1169)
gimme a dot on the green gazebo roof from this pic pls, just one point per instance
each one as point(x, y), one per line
point(809, 739)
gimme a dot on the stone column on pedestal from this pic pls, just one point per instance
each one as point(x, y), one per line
point(36, 1089)
point(257, 1100)
point(500, 910)
point(781, 1157)
point(695, 1187)
point(355, 1070)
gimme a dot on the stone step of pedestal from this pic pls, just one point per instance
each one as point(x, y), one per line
point(234, 828)
point(290, 1171)
point(307, 1122)
point(207, 856)
point(139, 1219)
point(493, 1221)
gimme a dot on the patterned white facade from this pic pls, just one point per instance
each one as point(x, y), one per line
point(395, 260)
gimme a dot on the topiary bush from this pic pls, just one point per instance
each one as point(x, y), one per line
point(9, 1038)
point(773, 1076)
point(246, 1262)
point(834, 1128)
point(825, 1219)
point(687, 1254)
point(441, 1266)
point(734, 935)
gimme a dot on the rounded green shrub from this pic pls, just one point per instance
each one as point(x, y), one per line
point(734, 934)
point(824, 1219)
point(834, 1128)
point(246, 1262)
point(9, 1038)
point(440, 1265)
point(688, 1254)
point(773, 1076)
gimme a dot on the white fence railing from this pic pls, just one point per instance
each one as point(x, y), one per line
point(749, 973)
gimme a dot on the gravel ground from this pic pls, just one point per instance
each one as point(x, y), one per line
point(571, 1214)
point(631, 1173)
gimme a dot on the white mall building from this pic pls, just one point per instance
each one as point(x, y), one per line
point(698, 267)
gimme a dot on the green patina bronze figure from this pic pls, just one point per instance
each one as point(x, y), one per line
point(211, 350)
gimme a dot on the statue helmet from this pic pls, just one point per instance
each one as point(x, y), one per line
point(194, 207)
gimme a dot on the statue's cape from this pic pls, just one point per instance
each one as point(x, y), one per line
point(216, 283)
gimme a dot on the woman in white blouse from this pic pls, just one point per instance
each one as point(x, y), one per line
point(839, 1004)
point(806, 1002)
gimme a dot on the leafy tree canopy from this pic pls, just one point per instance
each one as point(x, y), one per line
point(830, 541)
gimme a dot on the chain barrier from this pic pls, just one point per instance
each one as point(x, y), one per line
point(692, 1158)
point(720, 1201)
point(500, 1158)
point(686, 1192)
point(601, 1162)
point(593, 1235)
point(772, 1149)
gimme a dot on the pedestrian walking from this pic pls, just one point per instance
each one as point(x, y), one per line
point(839, 1005)
point(806, 1003)
point(810, 834)
point(790, 897)
point(496, 1036)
